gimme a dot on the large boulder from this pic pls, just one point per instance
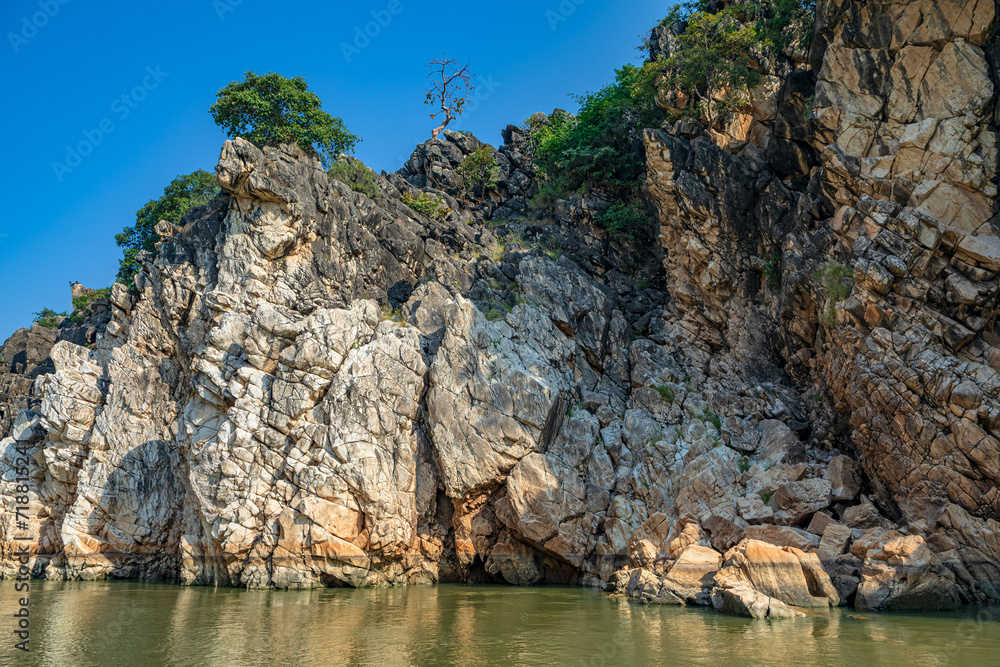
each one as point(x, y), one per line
point(795, 502)
point(906, 574)
point(514, 561)
point(783, 573)
point(745, 601)
point(692, 576)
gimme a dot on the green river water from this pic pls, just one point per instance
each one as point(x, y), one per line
point(119, 624)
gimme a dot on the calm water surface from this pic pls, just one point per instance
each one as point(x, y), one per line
point(117, 623)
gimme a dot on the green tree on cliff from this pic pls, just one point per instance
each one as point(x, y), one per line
point(269, 109)
point(183, 194)
point(715, 59)
point(713, 64)
point(600, 149)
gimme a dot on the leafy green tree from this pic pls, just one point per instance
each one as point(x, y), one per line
point(48, 318)
point(600, 149)
point(713, 63)
point(353, 173)
point(780, 23)
point(183, 194)
point(626, 220)
point(269, 109)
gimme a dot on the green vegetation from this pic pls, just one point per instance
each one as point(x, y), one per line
point(836, 279)
point(810, 105)
point(269, 108)
point(772, 271)
point(766, 496)
point(82, 303)
point(48, 318)
point(497, 308)
point(500, 245)
point(600, 149)
point(665, 392)
point(354, 174)
point(713, 65)
point(427, 204)
point(497, 312)
point(782, 22)
point(393, 315)
point(479, 168)
point(716, 64)
point(744, 465)
point(709, 417)
point(180, 196)
point(624, 220)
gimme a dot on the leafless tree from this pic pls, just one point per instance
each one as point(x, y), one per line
point(450, 89)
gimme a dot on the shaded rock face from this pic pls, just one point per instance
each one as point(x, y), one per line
point(314, 388)
point(433, 168)
point(300, 394)
point(910, 165)
point(26, 355)
point(902, 368)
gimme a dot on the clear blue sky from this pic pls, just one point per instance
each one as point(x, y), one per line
point(65, 75)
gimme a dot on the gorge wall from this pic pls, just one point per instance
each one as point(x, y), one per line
point(315, 388)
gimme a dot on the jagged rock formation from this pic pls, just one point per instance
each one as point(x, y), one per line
point(901, 131)
point(433, 165)
point(25, 355)
point(315, 388)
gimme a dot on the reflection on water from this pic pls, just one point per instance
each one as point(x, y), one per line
point(117, 623)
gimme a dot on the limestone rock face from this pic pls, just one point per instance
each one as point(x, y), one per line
point(249, 418)
point(784, 397)
point(26, 355)
point(782, 573)
point(870, 279)
point(906, 574)
point(914, 193)
point(314, 388)
point(691, 577)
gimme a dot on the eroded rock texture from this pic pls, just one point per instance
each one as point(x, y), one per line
point(786, 398)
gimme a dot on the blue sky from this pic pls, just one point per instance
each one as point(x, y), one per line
point(66, 65)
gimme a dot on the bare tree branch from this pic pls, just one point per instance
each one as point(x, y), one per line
point(450, 84)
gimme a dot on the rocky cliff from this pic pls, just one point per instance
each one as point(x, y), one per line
point(786, 398)
point(26, 354)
